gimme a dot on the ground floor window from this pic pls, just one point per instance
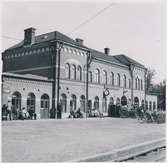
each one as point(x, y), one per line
point(123, 100)
point(82, 103)
point(16, 100)
point(31, 102)
point(63, 102)
point(73, 103)
point(96, 103)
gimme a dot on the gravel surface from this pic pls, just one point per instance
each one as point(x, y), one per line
point(65, 140)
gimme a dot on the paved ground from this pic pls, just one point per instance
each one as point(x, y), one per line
point(65, 140)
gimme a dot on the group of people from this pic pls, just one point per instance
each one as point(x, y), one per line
point(11, 113)
point(76, 114)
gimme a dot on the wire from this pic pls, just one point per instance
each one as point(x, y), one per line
point(91, 18)
point(11, 38)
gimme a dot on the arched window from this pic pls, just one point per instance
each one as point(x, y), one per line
point(73, 72)
point(90, 76)
point(82, 103)
point(118, 101)
point(63, 101)
point(123, 100)
point(136, 82)
point(118, 80)
point(96, 103)
point(111, 100)
point(154, 105)
point(45, 101)
point(142, 103)
point(67, 71)
point(97, 76)
point(73, 102)
point(146, 105)
point(124, 81)
point(150, 105)
point(129, 83)
point(16, 100)
point(112, 78)
point(136, 101)
point(31, 102)
point(104, 77)
point(141, 84)
point(104, 104)
point(79, 73)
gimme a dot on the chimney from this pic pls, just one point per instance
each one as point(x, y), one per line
point(107, 51)
point(79, 41)
point(29, 36)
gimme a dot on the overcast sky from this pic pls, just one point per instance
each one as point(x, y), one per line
point(135, 28)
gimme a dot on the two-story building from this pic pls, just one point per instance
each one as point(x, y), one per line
point(43, 70)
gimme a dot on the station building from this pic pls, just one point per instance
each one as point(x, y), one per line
point(40, 67)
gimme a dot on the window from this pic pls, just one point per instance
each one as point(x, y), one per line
point(112, 78)
point(97, 76)
point(79, 73)
point(129, 83)
point(73, 72)
point(154, 105)
point(90, 76)
point(31, 102)
point(136, 82)
point(118, 80)
point(141, 84)
point(67, 71)
point(150, 105)
point(45, 101)
point(104, 77)
point(124, 81)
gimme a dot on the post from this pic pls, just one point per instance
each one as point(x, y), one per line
point(59, 46)
point(88, 62)
point(53, 60)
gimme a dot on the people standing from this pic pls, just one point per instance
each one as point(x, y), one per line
point(59, 111)
point(9, 110)
point(4, 112)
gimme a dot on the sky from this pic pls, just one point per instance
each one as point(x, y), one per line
point(135, 28)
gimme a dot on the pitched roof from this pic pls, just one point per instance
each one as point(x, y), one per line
point(103, 56)
point(127, 61)
point(56, 35)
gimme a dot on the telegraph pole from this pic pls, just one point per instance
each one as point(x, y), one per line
point(88, 62)
point(53, 60)
point(58, 49)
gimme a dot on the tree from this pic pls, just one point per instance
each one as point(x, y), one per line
point(162, 95)
point(149, 78)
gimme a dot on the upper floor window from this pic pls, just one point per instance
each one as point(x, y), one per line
point(141, 84)
point(90, 76)
point(136, 83)
point(118, 80)
point(124, 81)
point(129, 83)
point(67, 71)
point(112, 78)
point(79, 73)
point(73, 72)
point(97, 76)
point(104, 77)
